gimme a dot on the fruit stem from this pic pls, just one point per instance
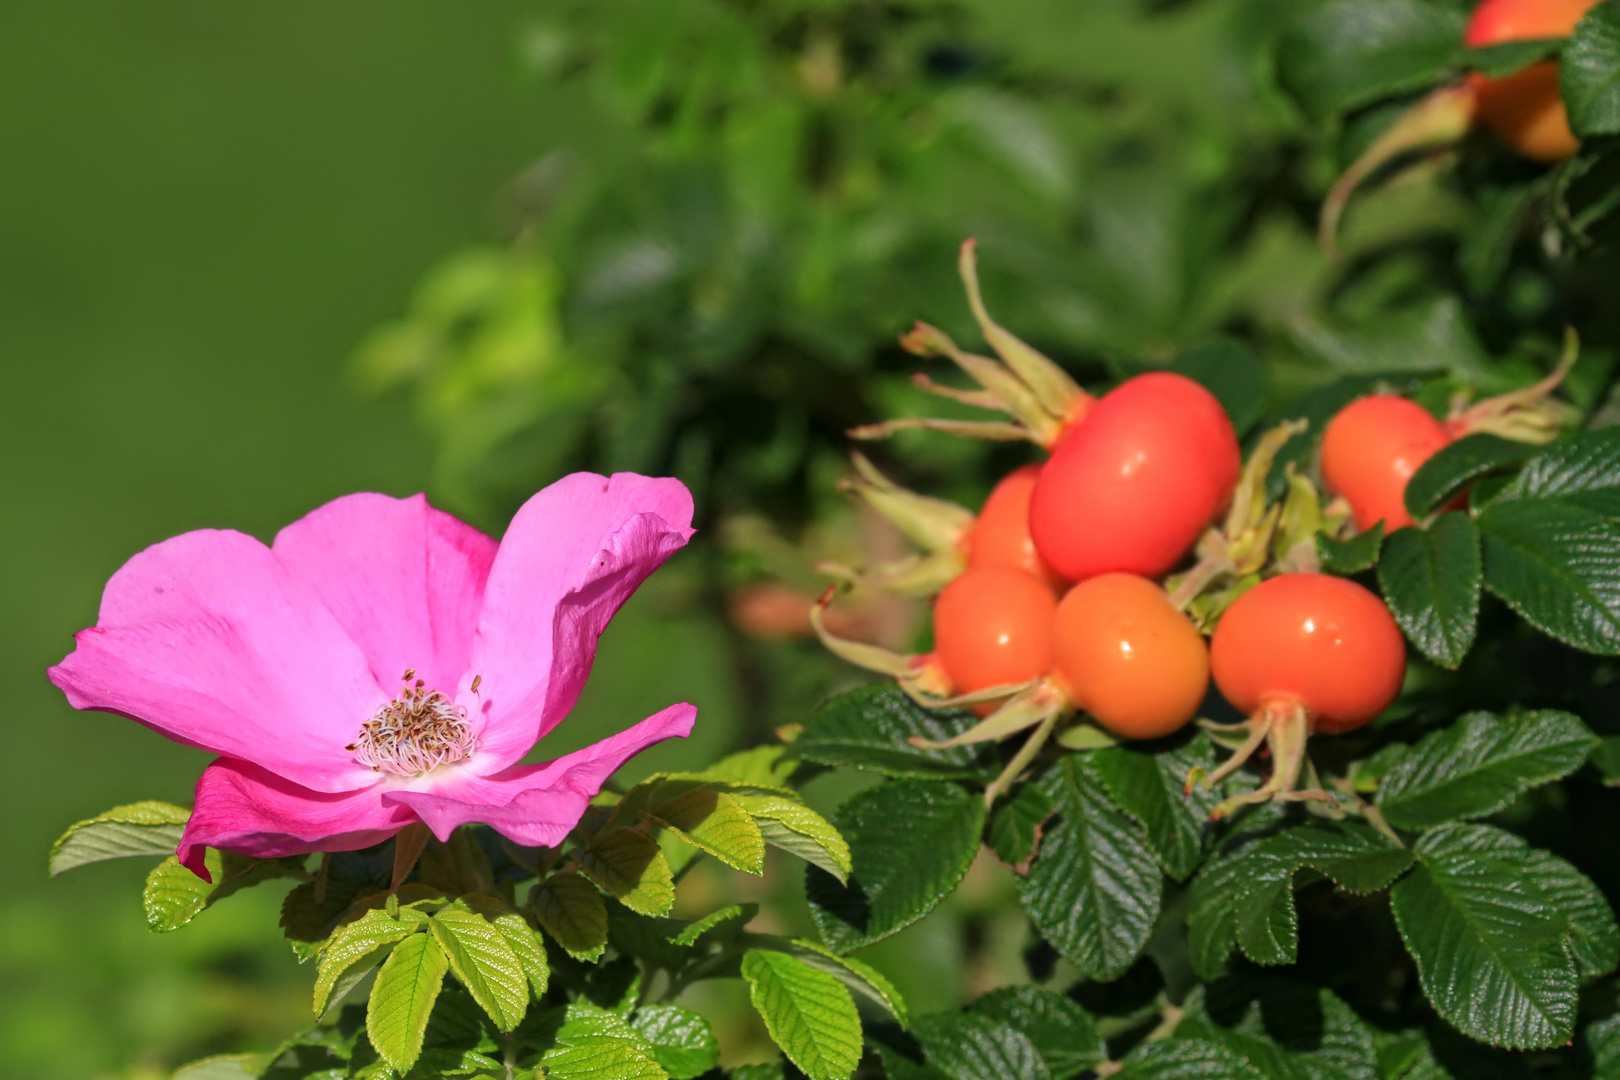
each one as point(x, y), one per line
point(1287, 728)
point(1259, 728)
point(1025, 755)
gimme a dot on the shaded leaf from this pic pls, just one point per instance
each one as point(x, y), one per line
point(1349, 53)
point(1351, 556)
point(1283, 1028)
point(570, 909)
point(360, 944)
point(868, 728)
point(1431, 580)
point(142, 828)
point(1062, 1033)
point(680, 1040)
point(1186, 1059)
point(1015, 827)
point(1589, 73)
point(973, 1046)
point(1151, 788)
point(734, 917)
point(1454, 466)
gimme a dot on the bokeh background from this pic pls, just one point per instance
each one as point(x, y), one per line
point(256, 256)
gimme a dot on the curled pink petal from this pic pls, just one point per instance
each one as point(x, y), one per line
point(206, 638)
point(241, 807)
point(537, 805)
point(404, 580)
point(573, 554)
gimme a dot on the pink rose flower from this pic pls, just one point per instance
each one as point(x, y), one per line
point(382, 663)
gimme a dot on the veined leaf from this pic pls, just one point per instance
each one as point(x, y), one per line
point(1094, 888)
point(519, 936)
point(680, 1040)
point(704, 817)
point(1282, 1028)
point(807, 1012)
point(1584, 470)
point(1351, 556)
point(972, 1046)
point(1479, 765)
point(860, 978)
point(173, 895)
point(1062, 1033)
point(628, 865)
point(570, 909)
point(868, 728)
point(1151, 788)
point(361, 944)
point(142, 828)
point(483, 963)
point(1558, 565)
point(900, 873)
point(1458, 464)
point(788, 824)
point(225, 1067)
point(1590, 73)
point(1015, 827)
point(1348, 53)
point(1431, 580)
point(1489, 947)
point(1186, 1059)
point(583, 1042)
point(735, 916)
point(402, 999)
point(1594, 938)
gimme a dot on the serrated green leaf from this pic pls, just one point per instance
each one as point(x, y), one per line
point(1015, 827)
point(1151, 788)
point(142, 828)
point(1282, 1028)
point(173, 895)
point(735, 917)
point(1347, 53)
point(859, 977)
point(225, 1067)
point(520, 937)
point(402, 999)
point(1228, 368)
point(680, 1039)
point(868, 728)
point(1062, 1033)
point(704, 817)
point(572, 911)
point(1431, 580)
point(360, 944)
point(808, 1013)
point(1594, 937)
point(587, 1043)
point(1490, 951)
point(1458, 464)
point(1584, 470)
point(1094, 889)
point(628, 865)
point(1186, 1059)
point(1351, 556)
point(970, 1046)
point(899, 874)
point(1479, 765)
point(1558, 565)
point(788, 824)
point(483, 962)
point(1589, 73)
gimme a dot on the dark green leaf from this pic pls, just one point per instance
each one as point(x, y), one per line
point(1594, 938)
point(1283, 1029)
point(1230, 370)
point(1015, 827)
point(868, 729)
point(807, 1012)
point(966, 1046)
point(1445, 474)
point(1151, 787)
point(1490, 950)
point(1187, 1059)
point(680, 1039)
point(1584, 469)
point(900, 873)
point(143, 828)
point(1095, 887)
point(1511, 56)
point(570, 909)
point(1606, 760)
point(1479, 765)
point(1348, 53)
point(1431, 579)
point(1351, 556)
point(1590, 73)
point(1558, 565)
point(402, 999)
point(1063, 1034)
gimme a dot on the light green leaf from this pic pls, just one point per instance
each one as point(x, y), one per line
point(807, 1012)
point(594, 1044)
point(143, 828)
point(1558, 565)
point(571, 910)
point(1456, 465)
point(1186, 1059)
point(1431, 580)
point(1094, 888)
point(1348, 53)
point(735, 916)
point(868, 729)
point(704, 817)
point(402, 999)
point(1590, 73)
point(519, 936)
point(1062, 1033)
point(900, 873)
point(1479, 765)
point(628, 865)
point(971, 1046)
point(680, 1039)
point(1491, 951)
point(225, 1067)
point(1151, 788)
point(484, 963)
point(173, 895)
point(861, 978)
point(798, 830)
point(360, 944)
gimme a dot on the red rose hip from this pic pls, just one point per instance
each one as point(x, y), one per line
point(1371, 449)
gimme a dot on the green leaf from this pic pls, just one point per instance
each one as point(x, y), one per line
point(1454, 466)
point(868, 728)
point(1063, 1034)
point(735, 916)
point(143, 828)
point(628, 865)
point(484, 963)
point(570, 909)
point(788, 824)
point(1431, 579)
point(1094, 888)
point(1594, 937)
point(1282, 1028)
point(1348, 53)
point(859, 977)
point(1479, 765)
point(360, 945)
point(1229, 369)
point(1584, 470)
point(1352, 556)
point(1246, 898)
point(402, 999)
point(1151, 788)
point(519, 936)
point(1558, 565)
point(704, 817)
point(225, 1067)
point(910, 843)
point(1508, 57)
point(681, 1040)
point(971, 1046)
point(1490, 951)
point(1015, 827)
point(173, 895)
point(1589, 73)
point(587, 1043)
point(1606, 760)
point(807, 1012)
point(1186, 1059)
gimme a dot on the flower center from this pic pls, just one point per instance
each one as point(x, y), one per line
point(418, 731)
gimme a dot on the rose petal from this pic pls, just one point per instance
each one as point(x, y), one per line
point(206, 638)
point(241, 807)
point(404, 580)
point(591, 536)
point(537, 805)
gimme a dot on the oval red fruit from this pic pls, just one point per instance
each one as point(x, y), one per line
point(1000, 535)
point(1324, 642)
point(1525, 109)
point(993, 627)
point(1371, 449)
